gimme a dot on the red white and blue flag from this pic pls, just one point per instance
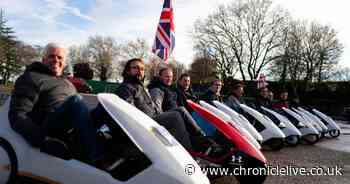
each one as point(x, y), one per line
point(261, 81)
point(165, 39)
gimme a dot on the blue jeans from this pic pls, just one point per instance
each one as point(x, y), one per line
point(74, 114)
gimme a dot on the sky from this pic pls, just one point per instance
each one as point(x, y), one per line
point(71, 22)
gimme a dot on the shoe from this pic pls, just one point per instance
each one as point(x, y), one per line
point(207, 146)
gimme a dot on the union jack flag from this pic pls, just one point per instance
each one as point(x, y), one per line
point(261, 81)
point(164, 41)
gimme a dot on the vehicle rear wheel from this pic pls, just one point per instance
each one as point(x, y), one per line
point(292, 140)
point(334, 133)
point(8, 162)
point(311, 138)
point(274, 144)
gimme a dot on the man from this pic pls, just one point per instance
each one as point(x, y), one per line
point(184, 92)
point(213, 93)
point(283, 100)
point(132, 90)
point(234, 99)
point(263, 98)
point(176, 121)
point(45, 107)
point(165, 100)
point(160, 91)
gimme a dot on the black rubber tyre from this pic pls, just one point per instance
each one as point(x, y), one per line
point(311, 139)
point(6, 146)
point(334, 133)
point(292, 140)
point(273, 144)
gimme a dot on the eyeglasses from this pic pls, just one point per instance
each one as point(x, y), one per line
point(137, 68)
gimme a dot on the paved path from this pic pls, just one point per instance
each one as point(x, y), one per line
point(342, 143)
point(326, 154)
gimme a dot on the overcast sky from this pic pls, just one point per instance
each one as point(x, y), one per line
point(73, 21)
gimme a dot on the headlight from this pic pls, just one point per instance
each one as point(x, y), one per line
point(164, 136)
point(301, 125)
point(282, 125)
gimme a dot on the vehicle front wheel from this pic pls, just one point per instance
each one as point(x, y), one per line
point(8, 162)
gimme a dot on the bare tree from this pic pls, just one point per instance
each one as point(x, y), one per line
point(243, 35)
point(202, 70)
point(322, 51)
point(78, 54)
point(308, 52)
point(135, 49)
point(154, 64)
point(101, 52)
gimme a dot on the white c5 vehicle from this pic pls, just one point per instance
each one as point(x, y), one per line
point(161, 158)
point(239, 118)
point(228, 119)
point(292, 133)
point(309, 133)
point(333, 128)
point(272, 135)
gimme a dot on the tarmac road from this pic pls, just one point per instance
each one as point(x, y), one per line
point(328, 153)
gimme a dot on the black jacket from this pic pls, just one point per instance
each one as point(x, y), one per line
point(265, 102)
point(210, 96)
point(133, 91)
point(162, 95)
point(37, 92)
point(182, 97)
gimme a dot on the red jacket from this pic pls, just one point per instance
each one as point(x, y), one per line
point(280, 104)
point(80, 85)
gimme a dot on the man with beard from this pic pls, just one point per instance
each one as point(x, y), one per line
point(132, 90)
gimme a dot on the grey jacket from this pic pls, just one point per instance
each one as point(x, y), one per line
point(162, 95)
point(37, 92)
point(134, 92)
point(233, 102)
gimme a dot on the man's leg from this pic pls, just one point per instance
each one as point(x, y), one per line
point(190, 123)
point(198, 139)
point(174, 123)
point(74, 113)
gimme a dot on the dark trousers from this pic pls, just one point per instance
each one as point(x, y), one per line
point(191, 125)
point(74, 114)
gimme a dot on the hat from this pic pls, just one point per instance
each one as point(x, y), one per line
point(237, 83)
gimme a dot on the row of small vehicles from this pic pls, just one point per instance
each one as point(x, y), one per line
point(156, 157)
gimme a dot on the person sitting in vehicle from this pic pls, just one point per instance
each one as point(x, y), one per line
point(213, 93)
point(235, 98)
point(76, 78)
point(263, 98)
point(45, 108)
point(160, 91)
point(283, 100)
point(165, 99)
point(184, 91)
point(132, 90)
